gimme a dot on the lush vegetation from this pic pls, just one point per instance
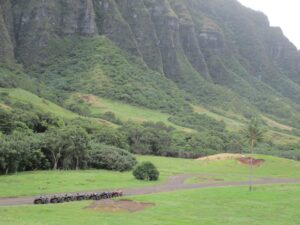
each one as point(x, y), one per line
point(33, 139)
point(91, 90)
point(111, 77)
point(110, 158)
point(97, 66)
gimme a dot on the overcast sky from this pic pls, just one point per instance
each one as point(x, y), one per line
point(282, 13)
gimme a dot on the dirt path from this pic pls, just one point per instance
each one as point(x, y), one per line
point(173, 183)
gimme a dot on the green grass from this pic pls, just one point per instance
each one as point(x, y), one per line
point(231, 124)
point(273, 167)
point(124, 111)
point(276, 205)
point(39, 104)
point(44, 106)
point(271, 204)
point(35, 183)
point(45, 182)
point(235, 122)
point(127, 112)
point(281, 138)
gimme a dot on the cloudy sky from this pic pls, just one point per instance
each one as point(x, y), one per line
point(282, 13)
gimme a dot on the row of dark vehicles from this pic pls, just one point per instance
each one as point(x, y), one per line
point(76, 197)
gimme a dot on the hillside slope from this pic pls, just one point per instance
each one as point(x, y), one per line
point(161, 54)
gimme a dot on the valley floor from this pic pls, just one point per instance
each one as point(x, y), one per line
point(277, 203)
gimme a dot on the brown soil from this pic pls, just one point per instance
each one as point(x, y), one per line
point(92, 101)
point(88, 99)
point(119, 206)
point(250, 160)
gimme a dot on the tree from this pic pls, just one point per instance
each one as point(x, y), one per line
point(79, 144)
point(111, 136)
point(6, 121)
point(254, 134)
point(66, 143)
point(21, 151)
point(110, 158)
point(55, 143)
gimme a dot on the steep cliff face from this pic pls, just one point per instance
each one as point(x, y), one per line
point(35, 22)
point(216, 51)
point(137, 16)
point(6, 32)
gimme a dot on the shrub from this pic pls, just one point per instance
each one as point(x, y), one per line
point(110, 158)
point(110, 116)
point(146, 171)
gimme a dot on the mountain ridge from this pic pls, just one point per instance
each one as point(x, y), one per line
point(217, 53)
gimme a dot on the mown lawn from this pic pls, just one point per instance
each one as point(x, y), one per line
point(45, 182)
point(266, 205)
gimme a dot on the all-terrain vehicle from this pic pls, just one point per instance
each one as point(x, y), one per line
point(95, 196)
point(77, 197)
point(57, 199)
point(41, 200)
point(117, 194)
point(105, 195)
point(81, 196)
point(69, 197)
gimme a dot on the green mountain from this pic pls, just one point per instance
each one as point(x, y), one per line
point(166, 55)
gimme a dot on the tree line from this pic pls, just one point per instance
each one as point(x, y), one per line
point(35, 141)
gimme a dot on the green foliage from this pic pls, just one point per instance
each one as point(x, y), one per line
point(96, 66)
point(7, 124)
point(79, 109)
point(207, 143)
point(253, 133)
point(146, 171)
point(110, 158)
point(198, 122)
point(110, 116)
point(66, 147)
point(21, 151)
point(148, 138)
point(111, 136)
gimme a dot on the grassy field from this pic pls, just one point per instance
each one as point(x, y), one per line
point(43, 182)
point(124, 111)
point(231, 124)
point(235, 123)
point(39, 104)
point(270, 204)
point(44, 106)
point(276, 205)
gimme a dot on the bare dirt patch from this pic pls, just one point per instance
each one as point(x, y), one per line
point(224, 156)
point(4, 106)
point(92, 100)
point(119, 206)
point(250, 160)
